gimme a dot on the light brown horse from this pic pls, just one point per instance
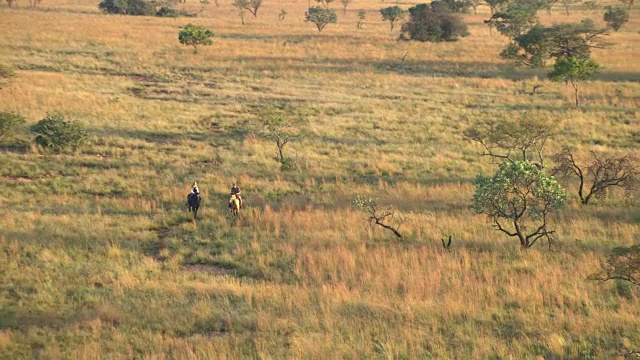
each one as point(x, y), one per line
point(234, 205)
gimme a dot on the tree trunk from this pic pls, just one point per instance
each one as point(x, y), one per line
point(575, 87)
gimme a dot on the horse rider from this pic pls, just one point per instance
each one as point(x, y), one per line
point(194, 190)
point(235, 190)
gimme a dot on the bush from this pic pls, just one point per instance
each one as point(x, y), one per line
point(9, 122)
point(6, 74)
point(433, 23)
point(615, 17)
point(128, 7)
point(56, 134)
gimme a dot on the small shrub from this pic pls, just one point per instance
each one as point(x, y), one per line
point(433, 23)
point(9, 121)
point(128, 7)
point(6, 74)
point(56, 134)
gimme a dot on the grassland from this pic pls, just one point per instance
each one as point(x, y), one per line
point(99, 258)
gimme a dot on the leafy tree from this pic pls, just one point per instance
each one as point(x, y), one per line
point(573, 70)
point(519, 199)
point(128, 7)
point(521, 139)
point(6, 74)
point(616, 17)
point(325, 3)
point(56, 134)
point(9, 121)
point(195, 35)
point(385, 216)
point(599, 174)
point(517, 19)
point(362, 15)
point(539, 44)
point(321, 17)
point(496, 5)
point(567, 4)
point(251, 5)
point(345, 4)
point(392, 14)
point(622, 264)
point(428, 23)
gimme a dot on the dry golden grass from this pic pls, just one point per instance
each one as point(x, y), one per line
point(99, 258)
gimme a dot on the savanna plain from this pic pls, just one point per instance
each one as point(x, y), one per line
point(101, 260)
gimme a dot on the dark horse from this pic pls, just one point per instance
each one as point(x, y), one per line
point(193, 203)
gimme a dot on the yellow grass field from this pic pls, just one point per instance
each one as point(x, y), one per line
point(99, 258)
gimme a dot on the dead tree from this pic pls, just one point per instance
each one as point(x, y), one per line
point(380, 215)
point(599, 174)
point(513, 140)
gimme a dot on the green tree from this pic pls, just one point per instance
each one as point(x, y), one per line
point(128, 7)
point(345, 4)
point(615, 17)
point(629, 3)
point(278, 127)
point(325, 3)
point(6, 74)
point(392, 14)
point(386, 217)
point(321, 17)
point(56, 134)
point(195, 35)
point(519, 200)
point(573, 70)
point(548, 5)
point(250, 5)
point(515, 20)
point(539, 44)
point(429, 23)
point(496, 5)
point(9, 121)
point(474, 4)
point(362, 15)
point(453, 5)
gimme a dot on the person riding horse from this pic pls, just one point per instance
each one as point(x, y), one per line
point(193, 199)
point(235, 190)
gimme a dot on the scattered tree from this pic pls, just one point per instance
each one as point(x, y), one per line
point(548, 5)
point(539, 44)
point(56, 134)
point(567, 4)
point(616, 17)
point(6, 74)
point(629, 3)
point(599, 174)
point(428, 23)
point(496, 5)
point(522, 139)
point(517, 19)
point(345, 4)
point(128, 7)
point(519, 199)
point(384, 216)
point(392, 14)
point(573, 70)
point(280, 129)
point(241, 6)
point(195, 35)
point(9, 121)
point(253, 6)
point(622, 264)
point(325, 3)
point(362, 15)
point(453, 5)
point(321, 17)
point(474, 4)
